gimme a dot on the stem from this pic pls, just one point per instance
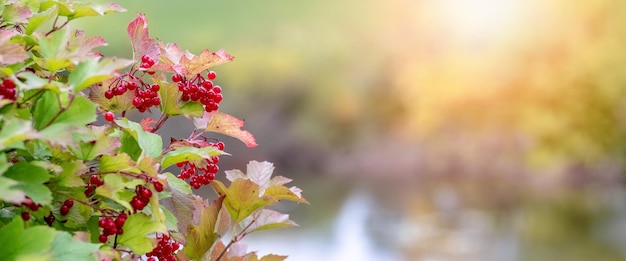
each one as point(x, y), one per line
point(159, 123)
point(62, 109)
point(236, 238)
point(33, 96)
point(82, 202)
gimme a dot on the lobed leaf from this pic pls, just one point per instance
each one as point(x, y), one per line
point(21, 244)
point(30, 179)
point(10, 53)
point(188, 154)
point(64, 248)
point(242, 198)
point(225, 124)
point(150, 143)
point(16, 13)
point(94, 71)
point(200, 235)
point(137, 229)
point(140, 40)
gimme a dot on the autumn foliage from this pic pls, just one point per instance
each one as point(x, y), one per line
point(74, 188)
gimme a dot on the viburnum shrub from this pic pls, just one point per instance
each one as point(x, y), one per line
point(72, 188)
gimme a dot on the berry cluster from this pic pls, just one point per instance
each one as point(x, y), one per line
point(28, 203)
point(65, 208)
point(7, 89)
point(145, 95)
point(142, 197)
point(146, 62)
point(94, 181)
point(200, 89)
point(164, 250)
point(111, 227)
point(203, 173)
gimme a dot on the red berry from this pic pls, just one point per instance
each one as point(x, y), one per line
point(109, 116)
point(49, 219)
point(8, 83)
point(64, 210)
point(155, 88)
point(145, 194)
point(108, 94)
point(217, 89)
point(207, 84)
point(103, 238)
point(137, 101)
point(211, 75)
point(25, 216)
point(132, 86)
point(94, 179)
point(220, 145)
point(158, 186)
point(177, 77)
point(69, 203)
point(137, 203)
point(146, 59)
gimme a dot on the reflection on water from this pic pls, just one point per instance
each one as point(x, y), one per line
point(350, 238)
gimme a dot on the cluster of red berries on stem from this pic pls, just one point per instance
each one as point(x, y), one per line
point(28, 203)
point(200, 89)
point(111, 227)
point(201, 174)
point(146, 63)
point(7, 89)
point(65, 208)
point(142, 197)
point(94, 182)
point(164, 250)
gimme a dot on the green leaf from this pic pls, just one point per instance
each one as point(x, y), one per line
point(45, 109)
point(70, 176)
point(32, 82)
point(15, 13)
point(31, 178)
point(95, 70)
point(194, 109)
point(52, 48)
point(201, 235)
point(136, 230)
point(64, 248)
point(81, 112)
point(39, 18)
point(188, 153)
point(74, 10)
point(119, 189)
point(15, 131)
point(20, 244)
point(170, 96)
point(242, 198)
point(150, 143)
point(119, 162)
point(9, 191)
point(95, 142)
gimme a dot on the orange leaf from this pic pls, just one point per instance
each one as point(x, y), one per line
point(225, 124)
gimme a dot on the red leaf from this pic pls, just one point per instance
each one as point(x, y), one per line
point(139, 38)
point(10, 53)
point(147, 124)
point(227, 125)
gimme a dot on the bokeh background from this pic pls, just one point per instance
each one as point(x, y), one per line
point(421, 129)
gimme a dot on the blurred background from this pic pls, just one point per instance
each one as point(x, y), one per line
point(421, 129)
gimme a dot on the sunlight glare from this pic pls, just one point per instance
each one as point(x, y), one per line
point(482, 20)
